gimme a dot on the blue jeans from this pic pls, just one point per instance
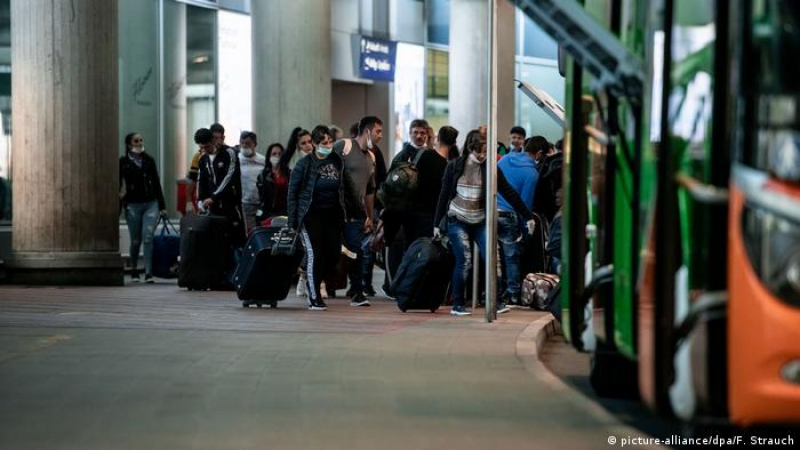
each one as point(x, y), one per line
point(508, 233)
point(462, 235)
point(142, 219)
point(354, 240)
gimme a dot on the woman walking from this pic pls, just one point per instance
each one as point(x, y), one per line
point(273, 185)
point(142, 200)
point(317, 190)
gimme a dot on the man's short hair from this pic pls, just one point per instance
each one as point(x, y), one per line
point(419, 123)
point(519, 130)
point(537, 144)
point(203, 136)
point(354, 130)
point(217, 128)
point(248, 135)
point(368, 122)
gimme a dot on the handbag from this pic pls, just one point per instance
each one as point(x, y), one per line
point(284, 242)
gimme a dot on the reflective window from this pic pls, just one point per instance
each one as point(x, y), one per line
point(436, 88)
point(537, 43)
point(438, 13)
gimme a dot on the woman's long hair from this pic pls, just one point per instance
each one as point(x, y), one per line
point(129, 140)
point(283, 166)
point(447, 138)
point(471, 142)
point(291, 146)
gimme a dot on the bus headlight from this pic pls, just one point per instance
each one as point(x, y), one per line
point(773, 246)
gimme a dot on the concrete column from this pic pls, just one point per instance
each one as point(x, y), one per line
point(176, 146)
point(65, 110)
point(468, 62)
point(291, 66)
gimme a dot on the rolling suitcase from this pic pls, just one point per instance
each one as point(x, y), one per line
point(422, 280)
point(269, 260)
point(206, 255)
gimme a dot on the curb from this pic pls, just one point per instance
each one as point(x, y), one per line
point(529, 345)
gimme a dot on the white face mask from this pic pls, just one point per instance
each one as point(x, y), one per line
point(274, 160)
point(248, 151)
point(138, 150)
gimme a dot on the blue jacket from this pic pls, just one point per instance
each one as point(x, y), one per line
point(521, 174)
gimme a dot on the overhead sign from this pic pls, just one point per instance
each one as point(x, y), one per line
point(377, 59)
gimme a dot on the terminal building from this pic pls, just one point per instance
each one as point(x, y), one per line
point(85, 74)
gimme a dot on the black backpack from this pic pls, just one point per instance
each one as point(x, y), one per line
point(550, 181)
point(398, 191)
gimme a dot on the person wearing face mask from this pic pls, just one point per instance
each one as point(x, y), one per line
point(251, 164)
point(319, 188)
point(359, 163)
point(142, 199)
point(273, 184)
point(461, 210)
point(418, 132)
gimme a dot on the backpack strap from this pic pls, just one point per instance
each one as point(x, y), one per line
point(420, 151)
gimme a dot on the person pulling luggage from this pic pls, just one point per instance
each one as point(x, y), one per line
point(220, 186)
point(462, 211)
point(316, 205)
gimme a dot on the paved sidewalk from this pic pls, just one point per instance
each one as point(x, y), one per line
point(154, 367)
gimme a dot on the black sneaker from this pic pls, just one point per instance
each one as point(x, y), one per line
point(502, 308)
point(360, 300)
point(135, 278)
point(148, 278)
point(317, 305)
point(369, 291)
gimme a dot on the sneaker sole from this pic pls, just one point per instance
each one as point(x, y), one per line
point(453, 313)
point(361, 304)
point(317, 308)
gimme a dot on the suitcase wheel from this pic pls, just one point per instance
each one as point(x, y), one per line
point(258, 305)
point(245, 304)
point(403, 309)
point(433, 310)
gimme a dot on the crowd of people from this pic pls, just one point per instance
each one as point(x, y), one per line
point(327, 186)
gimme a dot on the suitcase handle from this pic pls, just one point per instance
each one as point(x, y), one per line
point(165, 229)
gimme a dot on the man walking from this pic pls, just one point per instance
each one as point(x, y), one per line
point(359, 163)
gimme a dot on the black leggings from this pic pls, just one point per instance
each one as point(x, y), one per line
point(322, 240)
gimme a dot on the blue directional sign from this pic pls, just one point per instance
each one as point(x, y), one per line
point(377, 59)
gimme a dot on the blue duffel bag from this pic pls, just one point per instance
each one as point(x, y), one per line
point(166, 249)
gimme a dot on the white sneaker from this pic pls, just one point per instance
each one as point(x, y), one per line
point(301, 286)
point(322, 291)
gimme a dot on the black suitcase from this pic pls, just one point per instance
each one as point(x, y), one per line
point(261, 277)
point(422, 280)
point(206, 254)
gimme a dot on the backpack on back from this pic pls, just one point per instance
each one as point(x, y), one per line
point(398, 191)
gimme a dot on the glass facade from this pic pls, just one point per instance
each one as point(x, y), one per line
point(5, 111)
point(438, 15)
point(436, 87)
point(170, 83)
